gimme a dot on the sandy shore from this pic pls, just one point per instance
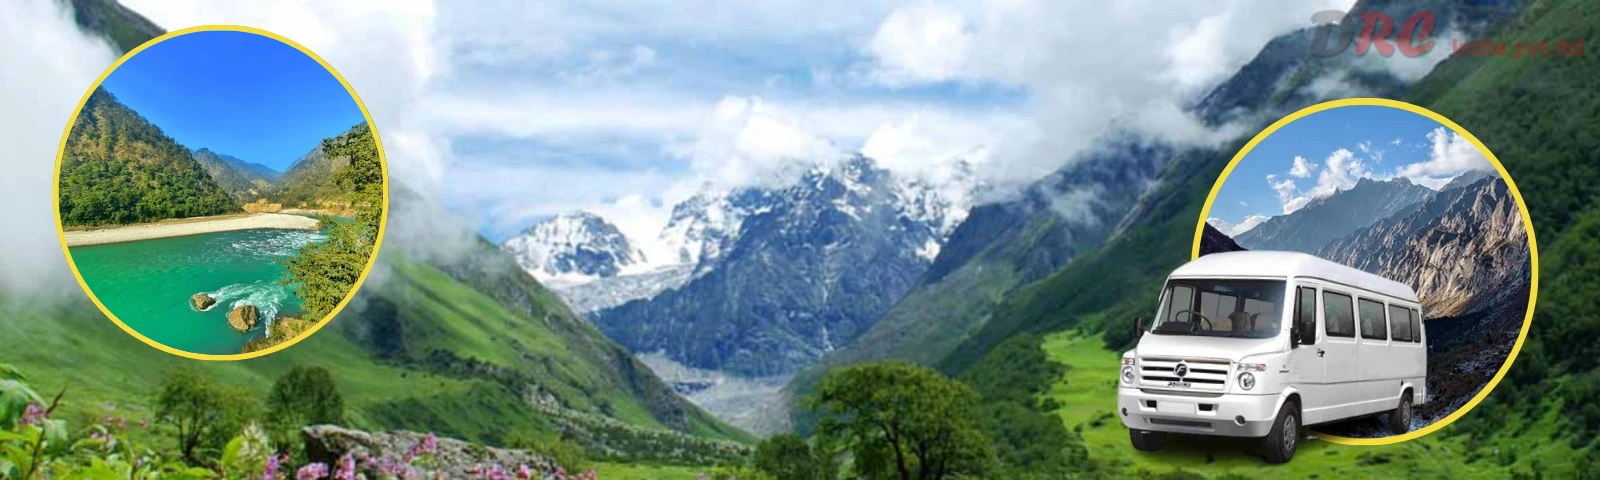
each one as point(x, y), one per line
point(189, 226)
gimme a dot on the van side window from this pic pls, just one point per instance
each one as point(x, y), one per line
point(1182, 298)
point(1400, 324)
point(1338, 311)
point(1373, 325)
point(1306, 315)
point(1416, 326)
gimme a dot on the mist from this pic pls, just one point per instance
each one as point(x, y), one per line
point(47, 68)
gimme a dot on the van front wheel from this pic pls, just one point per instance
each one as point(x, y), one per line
point(1147, 441)
point(1280, 443)
point(1400, 418)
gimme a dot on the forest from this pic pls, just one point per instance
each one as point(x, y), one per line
point(118, 168)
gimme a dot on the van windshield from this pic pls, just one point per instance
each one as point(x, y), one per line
point(1221, 308)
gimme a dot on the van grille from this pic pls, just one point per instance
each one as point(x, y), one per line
point(1197, 374)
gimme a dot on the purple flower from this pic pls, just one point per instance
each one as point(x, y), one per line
point(32, 414)
point(312, 471)
point(272, 468)
point(523, 472)
point(430, 444)
point(347, 468)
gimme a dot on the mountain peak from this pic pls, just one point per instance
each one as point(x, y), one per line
point(575, 246)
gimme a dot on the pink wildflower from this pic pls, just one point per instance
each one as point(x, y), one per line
point(312, 471)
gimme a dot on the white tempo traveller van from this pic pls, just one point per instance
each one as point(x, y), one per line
point(1259, 344)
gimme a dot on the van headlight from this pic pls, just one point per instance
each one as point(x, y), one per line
point(1247, 380)
point(1127, 375)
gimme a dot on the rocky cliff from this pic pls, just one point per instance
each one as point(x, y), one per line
point(1462, 249)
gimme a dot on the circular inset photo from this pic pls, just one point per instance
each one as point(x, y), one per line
point(221, 193)
point(1409, 258)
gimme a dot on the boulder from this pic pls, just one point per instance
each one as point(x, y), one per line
point(453, 458)
point(244, 317)
point(201, 301)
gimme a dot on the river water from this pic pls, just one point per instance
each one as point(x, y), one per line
point(147, 284)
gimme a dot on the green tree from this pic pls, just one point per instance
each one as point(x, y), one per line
point(788, 457)
point(902, 420)
point(325, 272)
point(204, 415)
point(302, 396)
point(307, 393)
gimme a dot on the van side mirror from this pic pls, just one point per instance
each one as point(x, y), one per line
point(1138, 327)
point(1294, 337)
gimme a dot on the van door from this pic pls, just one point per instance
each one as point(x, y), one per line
point(1341, 365)
point(1305, 366)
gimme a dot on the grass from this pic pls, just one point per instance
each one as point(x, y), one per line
point(624, 471)
point(1088, 396)
point(67, 344)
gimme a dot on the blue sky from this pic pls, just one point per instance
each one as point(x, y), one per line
point(1331, 150)
point(236, 93)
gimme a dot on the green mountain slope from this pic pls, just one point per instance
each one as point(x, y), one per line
point(123, 28)
point(119, 168)
point(1537, 114)
point(309, 181)
point(245, 181)
point(464, 344)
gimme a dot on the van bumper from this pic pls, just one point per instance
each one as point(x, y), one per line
point(1198, 415)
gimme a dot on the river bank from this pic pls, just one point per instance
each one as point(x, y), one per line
point(189, 226)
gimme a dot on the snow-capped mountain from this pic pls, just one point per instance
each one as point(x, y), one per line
point(572, 248)
point(785, 273)
point(592, 265)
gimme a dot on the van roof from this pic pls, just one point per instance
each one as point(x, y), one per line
point(1290, 264)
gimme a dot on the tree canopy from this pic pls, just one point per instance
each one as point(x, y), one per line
point(118, 168)
point(901, 420)
point(325, 272)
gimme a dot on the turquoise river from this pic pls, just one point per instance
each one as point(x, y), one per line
point(147, 284)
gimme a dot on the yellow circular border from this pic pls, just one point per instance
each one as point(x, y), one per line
point(1527, 223)
point(55, 191)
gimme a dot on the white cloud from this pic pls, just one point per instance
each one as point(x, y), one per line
point(713, 86)
point(1411, 69)
point(1341, 170)
point(921, 43)
point(1086, 67)
point(1302, 168)
point(1449, 155)
point(41, 90)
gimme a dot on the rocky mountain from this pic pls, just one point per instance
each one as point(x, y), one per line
point(1214, 241)
point(1325, 219)
point(1460, 249)
point(784, 274)
point(1466, 253)
point(573, 247)
point(243, 180)
point(1003, 244)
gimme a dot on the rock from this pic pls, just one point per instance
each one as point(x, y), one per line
point(201, 301)
point(454, 458)
point(244, 317)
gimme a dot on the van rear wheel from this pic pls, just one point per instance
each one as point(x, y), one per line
point(1400, 418)
point(1147, 441)
point(1280, 443)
